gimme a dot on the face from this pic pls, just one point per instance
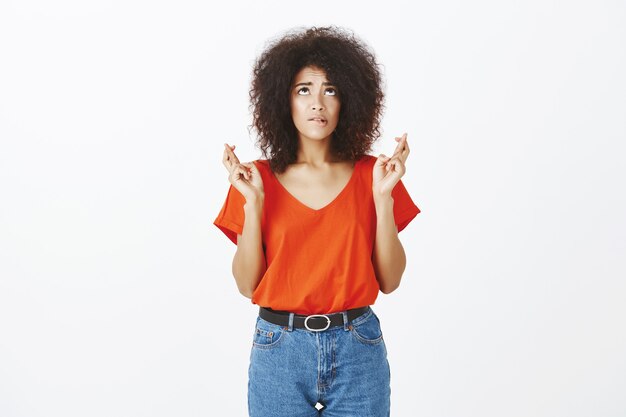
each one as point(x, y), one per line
point(311, 97)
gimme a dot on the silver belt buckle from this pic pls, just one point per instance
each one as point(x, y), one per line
point(317, 315)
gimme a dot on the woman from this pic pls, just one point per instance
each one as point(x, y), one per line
point(316, 227)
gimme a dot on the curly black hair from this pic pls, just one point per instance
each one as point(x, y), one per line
point(349, 64)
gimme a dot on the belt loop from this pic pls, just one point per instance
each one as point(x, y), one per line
point(345, 320)
point(291, 321)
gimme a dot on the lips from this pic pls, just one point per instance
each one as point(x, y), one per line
point(318, 120)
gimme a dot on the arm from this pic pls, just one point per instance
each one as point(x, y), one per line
point(389, 259)
point(249, 261)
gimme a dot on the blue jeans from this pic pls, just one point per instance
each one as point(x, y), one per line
point(344, 368)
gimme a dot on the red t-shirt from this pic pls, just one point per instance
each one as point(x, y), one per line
point(318, 261)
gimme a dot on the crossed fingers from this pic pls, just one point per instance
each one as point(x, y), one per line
point(229, 159)
point(402, 150)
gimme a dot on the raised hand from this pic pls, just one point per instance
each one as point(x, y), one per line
point(245, 177)
point(387, 171)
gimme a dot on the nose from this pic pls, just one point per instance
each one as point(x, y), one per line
point(317, 103)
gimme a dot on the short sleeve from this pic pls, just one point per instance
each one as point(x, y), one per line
point(404, 209)
point(231, 217)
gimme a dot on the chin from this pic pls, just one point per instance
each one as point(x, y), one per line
point(317, 136)
point(315, 133)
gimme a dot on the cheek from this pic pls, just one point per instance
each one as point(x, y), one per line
point(297, 110)
point(336, 111)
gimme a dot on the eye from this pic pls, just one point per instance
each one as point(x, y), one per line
point(303, 88)
point(334, 92)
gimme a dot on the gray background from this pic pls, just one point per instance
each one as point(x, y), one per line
point(113, 117)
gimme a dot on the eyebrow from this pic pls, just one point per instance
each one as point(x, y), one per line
point(310, 83)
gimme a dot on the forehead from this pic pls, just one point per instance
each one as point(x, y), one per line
point(310, 72)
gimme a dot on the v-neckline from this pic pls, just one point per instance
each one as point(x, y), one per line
point(332, 202)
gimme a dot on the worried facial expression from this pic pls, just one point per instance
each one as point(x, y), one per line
point(315, 104)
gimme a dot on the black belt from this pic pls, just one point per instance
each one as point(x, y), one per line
point(314, 322)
